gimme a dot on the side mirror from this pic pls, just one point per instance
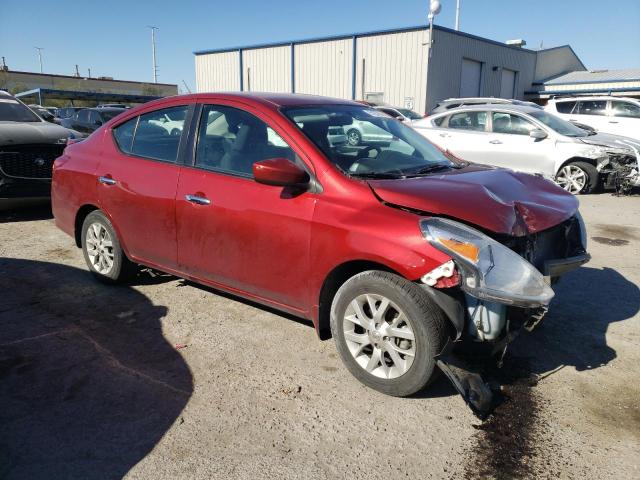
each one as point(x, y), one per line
point(279, 172)
point(538, 134)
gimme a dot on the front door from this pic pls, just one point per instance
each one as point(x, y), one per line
point(137, 181)
point(247, 237)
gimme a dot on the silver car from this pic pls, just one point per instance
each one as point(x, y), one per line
point(534, 141)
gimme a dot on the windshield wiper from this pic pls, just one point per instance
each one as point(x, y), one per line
point(381, 175)
point(432, 168)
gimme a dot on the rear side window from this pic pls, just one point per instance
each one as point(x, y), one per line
point(475, 121)
point(625, 109)
point(592, 107)
point(157, 137)
point(123, 134)
point(565, 107)
point(438, 121)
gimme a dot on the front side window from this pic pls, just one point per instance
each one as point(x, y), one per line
point(475, 121)
point(559, 125)
point(510, 124)
point(565, 107)
point(625, 109)
point(152, 139)
point(592, 107)
point(232, 140)
point(398, 152)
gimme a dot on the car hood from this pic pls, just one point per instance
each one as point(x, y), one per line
point(609, 141)
point(498, 200)
point(16, 133)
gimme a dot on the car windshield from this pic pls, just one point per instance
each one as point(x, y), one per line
point(109, 114)
point(563, 127)
point(13, 111)
point(385, 148)
point(410, 114)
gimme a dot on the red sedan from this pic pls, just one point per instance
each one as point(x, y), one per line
point(401, 252)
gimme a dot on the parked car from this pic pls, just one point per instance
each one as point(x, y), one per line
point(615, 115)
point(67, 112)
point(402, 114)
point(43, 112)
point(450, 103)
point(409, 259)
point(172, 122)
point(28, 147)
point(87, 120)
point(534, 141)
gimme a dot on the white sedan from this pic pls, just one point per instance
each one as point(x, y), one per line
point(534, 141)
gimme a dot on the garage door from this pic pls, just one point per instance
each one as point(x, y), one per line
point(508, 84)
point(470, 78)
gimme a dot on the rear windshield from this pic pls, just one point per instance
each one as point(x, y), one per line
point(13, 111)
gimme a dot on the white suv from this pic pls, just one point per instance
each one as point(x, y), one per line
point(616, 115)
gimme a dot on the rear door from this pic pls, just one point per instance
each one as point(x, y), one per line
point(466, 136)
point(592, 113)
point(237, 233)
point(137, 181)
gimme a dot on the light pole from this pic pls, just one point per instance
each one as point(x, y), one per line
point(434, 9)
point(153, 52)
point(458, 14)
point(39, 49)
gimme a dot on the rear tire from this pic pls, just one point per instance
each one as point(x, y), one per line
point(404, 362)
point(578, 178)
point(354, 138)
point(102, 251)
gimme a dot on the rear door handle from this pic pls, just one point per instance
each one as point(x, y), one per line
point(495, 142)
point(197, 200)
point(107, 180)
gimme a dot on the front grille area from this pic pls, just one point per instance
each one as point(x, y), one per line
point(29, 161)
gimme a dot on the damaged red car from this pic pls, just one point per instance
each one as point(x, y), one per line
point(411, 259)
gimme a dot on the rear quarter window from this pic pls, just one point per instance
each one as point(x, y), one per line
point(123, 134)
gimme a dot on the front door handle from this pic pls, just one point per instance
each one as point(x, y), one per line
point(107, 180)
point(197, 200)
point(495, 142)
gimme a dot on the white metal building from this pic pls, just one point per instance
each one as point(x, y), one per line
point(391, 66)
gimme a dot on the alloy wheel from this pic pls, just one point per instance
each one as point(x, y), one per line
point(99, 247)
point(572, 178)
point(379, 336)
point(353, 137)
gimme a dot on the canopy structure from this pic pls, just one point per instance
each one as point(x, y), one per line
point(40, 95)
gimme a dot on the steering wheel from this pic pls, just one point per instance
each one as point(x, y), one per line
point(368, 149)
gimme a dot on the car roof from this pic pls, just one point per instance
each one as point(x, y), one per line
point(491, 108)
point(592, 97)
point(275, 99)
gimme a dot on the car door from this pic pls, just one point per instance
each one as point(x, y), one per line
point(624, 118)
point(137, 182)
point(512, 147)
point(465, 135)
point(234, 232)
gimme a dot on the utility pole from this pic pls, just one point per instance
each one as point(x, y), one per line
point(153, 51)
point(89, 72)
point(40, 56)
point(77, 71)
point(458, 14)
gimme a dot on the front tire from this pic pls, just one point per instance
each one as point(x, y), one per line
point(387, 332)
point(578, 178)
point(102, 251)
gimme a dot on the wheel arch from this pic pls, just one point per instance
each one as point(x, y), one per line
point(81, 214)
point(590, 161)
point(333, 281)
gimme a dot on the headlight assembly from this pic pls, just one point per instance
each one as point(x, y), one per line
point(489, 269)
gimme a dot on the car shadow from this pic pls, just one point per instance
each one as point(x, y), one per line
point(26, 212)
point(574, 334)
point(88, 383)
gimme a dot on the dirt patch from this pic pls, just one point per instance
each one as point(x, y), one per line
point(616, 242)
point(59, 254)
point(618, 231)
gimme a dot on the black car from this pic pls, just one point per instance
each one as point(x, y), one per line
point(28, 147)
point(67, 112)
point(88, 120)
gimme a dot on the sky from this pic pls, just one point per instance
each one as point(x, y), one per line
point(112, 39)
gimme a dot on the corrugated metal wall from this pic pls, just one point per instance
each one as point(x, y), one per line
point(394, 65)
point(267, 69)
point(445, 66)
point(324, 68)
point(218, 72)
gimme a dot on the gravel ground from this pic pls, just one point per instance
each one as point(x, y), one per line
point(166, 379)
